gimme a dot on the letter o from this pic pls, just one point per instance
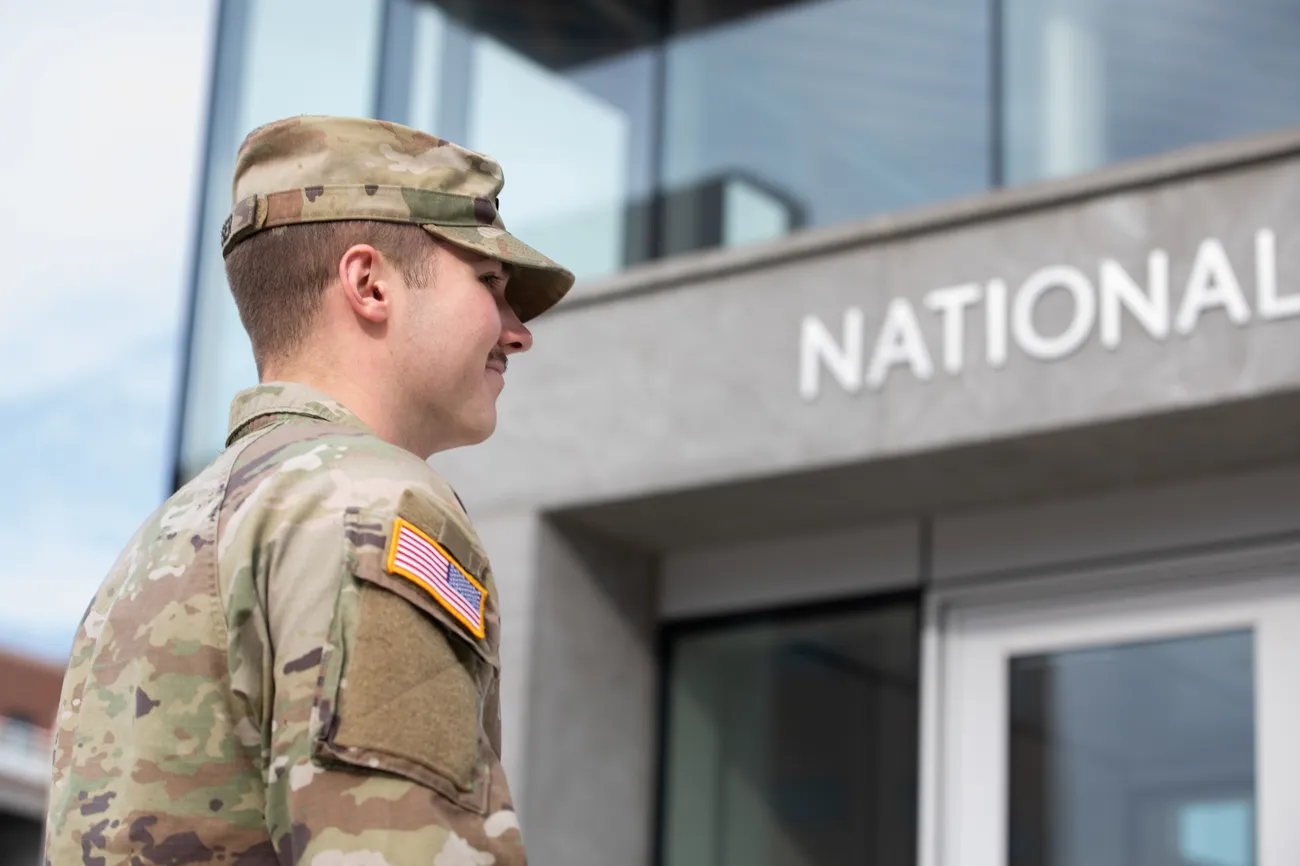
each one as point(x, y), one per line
point(1034, 344)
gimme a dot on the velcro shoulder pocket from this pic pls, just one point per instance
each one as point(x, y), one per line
point(417, 662)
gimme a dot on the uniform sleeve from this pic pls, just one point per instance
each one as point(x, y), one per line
point(378, 687)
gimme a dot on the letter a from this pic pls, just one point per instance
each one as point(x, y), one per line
point(1212, 284)
point(899, 342)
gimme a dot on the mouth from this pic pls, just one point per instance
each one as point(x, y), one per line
point(497, 363)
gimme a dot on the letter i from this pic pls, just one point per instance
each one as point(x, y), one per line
point(995, 328)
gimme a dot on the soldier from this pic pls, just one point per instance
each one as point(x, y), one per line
point(295, 660)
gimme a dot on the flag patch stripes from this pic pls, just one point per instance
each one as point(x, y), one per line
point(428, 565)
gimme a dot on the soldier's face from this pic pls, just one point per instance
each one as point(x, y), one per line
point(456, 336)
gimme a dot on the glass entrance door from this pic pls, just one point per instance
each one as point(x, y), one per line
point(1129, 729)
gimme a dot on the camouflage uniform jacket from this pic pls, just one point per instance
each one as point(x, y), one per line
point(260, 680)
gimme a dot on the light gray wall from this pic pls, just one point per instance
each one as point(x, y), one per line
point(732, 578)
point(513, 541)
point(685, 375)
point(579, 686)
point(1259, 507)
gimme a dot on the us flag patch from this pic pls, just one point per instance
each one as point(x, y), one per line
point(423, 561)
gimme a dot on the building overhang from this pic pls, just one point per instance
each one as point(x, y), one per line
point(1135, 324)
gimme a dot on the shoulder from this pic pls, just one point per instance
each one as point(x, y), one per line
point(305, 484)
point(331, 469)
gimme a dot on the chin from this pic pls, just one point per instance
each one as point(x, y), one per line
point(480, 429)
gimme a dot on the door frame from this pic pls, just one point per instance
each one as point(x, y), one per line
point(1133, 600)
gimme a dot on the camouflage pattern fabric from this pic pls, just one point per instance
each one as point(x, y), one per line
point(253, 684)
point(315, 169)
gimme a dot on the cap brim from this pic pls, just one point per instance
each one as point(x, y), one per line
point(536, 283)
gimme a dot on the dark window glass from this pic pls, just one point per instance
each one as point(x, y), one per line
point(20, 839)
point(793, 741)
point(1134, 754)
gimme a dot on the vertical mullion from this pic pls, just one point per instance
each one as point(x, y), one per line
point(997, 87)
point(659, 121)
point(392, 97)
point(230, 21)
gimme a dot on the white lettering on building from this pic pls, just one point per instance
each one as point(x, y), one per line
point(952, 303)
point(843, 359)
point(1026, 335)
point(1118, 301)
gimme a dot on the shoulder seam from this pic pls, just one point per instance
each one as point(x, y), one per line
point(239, 448)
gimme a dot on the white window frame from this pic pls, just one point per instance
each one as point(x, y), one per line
point(971, 631)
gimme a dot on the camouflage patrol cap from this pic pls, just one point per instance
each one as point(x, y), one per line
point(319, 169)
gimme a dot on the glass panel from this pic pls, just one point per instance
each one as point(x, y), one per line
point(1089, 82)
point(826, 111)
point(278, 58)
point(1134, 755)
point(566, 141)
point(428, 33)
point(794, 742)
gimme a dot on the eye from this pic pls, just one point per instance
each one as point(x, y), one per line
point(492, 281)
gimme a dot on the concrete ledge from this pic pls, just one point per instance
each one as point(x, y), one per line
point(1201, 513)
point(1198, 160)
point(756, 574)
point(1014, 473)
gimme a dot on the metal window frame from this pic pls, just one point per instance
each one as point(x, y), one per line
point(224, 81)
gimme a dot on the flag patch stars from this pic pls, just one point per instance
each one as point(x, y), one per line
point(423, 561)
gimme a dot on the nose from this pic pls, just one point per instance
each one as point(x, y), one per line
point(515, 337)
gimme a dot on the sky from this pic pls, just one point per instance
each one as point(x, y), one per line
point(103, 107)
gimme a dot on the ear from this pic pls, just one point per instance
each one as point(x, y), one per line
point(365, 278)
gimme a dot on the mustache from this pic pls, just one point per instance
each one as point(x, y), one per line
point(498, 355)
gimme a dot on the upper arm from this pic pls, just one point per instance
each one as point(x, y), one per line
point(375, 692)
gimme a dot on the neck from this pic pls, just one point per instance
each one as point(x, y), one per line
point(367, 397)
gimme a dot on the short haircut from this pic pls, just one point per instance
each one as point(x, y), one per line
point(279, 276)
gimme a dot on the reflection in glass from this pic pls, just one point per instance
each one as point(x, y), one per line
point(565, 148)
point(1134, 755)
point(1091, 82)
point(793, 742)
point(428, 31)
point(829, 111)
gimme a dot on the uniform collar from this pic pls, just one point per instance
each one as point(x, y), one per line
point(285, 398)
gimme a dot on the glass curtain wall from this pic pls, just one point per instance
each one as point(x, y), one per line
point(816, 113)
point(1093, 82)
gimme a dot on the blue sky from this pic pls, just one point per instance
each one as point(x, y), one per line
point(103, 107)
